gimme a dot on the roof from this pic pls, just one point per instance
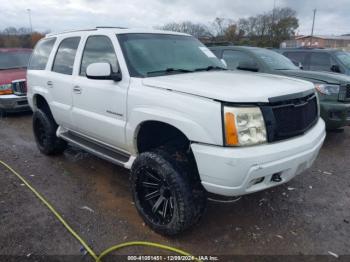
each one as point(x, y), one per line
point(326, 37)
point(234, 47)
point(310, 49)
point(118, 30)
point(8, 50)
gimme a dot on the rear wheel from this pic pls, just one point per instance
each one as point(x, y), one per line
point(44, 128)
point(163, 193)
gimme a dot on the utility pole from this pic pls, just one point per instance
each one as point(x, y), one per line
point(313, 26)
point(273, 19)
point(30, 20)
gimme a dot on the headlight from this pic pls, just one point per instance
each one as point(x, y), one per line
point(244, 126)
point(6, 89)
point(327, 89)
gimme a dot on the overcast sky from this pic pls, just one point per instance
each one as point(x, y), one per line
point(57, 15)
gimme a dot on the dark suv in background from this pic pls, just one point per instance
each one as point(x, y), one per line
point(333, 89)
point(330, 60)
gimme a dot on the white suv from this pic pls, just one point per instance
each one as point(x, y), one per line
point(161, 104)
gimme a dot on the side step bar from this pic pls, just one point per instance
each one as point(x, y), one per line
point(110, 154)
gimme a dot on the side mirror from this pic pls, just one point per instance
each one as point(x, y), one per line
point(300, 65)
point(335, 68)
point(248, 66)
point(102, 71)
point(224, 63)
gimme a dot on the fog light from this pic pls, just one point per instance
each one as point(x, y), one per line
point(276, 178)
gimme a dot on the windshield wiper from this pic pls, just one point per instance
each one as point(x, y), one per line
point(169, 70)
point(209, 68)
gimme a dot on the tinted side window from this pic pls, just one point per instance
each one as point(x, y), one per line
point(234, 58)
point(98, 49)
point(65, 56)
point(297, 57)
point(41, 54)
point(217, 53)
point(320, 61)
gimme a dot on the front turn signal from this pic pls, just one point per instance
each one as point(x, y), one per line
point(231, 135)
point(6, 89)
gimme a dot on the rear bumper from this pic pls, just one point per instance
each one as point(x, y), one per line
point(335, 114)
point(240, 171)
point(14, 103)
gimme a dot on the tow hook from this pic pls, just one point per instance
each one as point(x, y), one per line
point(276, 178)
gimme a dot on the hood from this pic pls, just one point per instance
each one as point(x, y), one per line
point(317, 76)
point(8, 75)
point(230, 86)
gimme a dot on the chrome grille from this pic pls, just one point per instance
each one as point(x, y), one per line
point(19, 87)
point(344, 93)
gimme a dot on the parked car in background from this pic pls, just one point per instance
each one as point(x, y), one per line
point(13, 90)
point(333, 89)
point(163, 105)
point(330, 60)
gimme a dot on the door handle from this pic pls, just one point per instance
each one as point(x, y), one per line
point(49, 84)
point(77, 89)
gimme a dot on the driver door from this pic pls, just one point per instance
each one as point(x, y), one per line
point(99, 106)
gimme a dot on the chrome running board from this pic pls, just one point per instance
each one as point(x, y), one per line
point(103, 151)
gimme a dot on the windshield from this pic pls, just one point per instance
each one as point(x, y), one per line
point(344, 58)
point(274, 60)
point(9, 60)
point(150, 55)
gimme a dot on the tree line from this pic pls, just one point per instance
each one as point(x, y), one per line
point(22, 37)
point(266, 30)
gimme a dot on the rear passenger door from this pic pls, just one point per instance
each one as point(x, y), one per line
point(60, 80)
point(99, 107)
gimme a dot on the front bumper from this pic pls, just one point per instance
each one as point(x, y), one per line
point(335, 114)
point(240, 171)
point(14, 103)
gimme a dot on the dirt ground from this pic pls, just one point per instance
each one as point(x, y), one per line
point(308, 216)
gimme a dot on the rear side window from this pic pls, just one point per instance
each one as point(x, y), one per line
point(297, 57)
point(41, 54)
point(216, 52)
point(65, 56)
point(98, 49)
point(234, 58)
point(320, 62)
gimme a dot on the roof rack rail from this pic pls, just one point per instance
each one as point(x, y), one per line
point(88, 29)
point(71, 31)
point(117, 27)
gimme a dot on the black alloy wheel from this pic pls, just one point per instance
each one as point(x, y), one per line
point(156, 196)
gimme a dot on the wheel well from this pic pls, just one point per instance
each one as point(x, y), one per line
point(41, 103)
point(153, 134)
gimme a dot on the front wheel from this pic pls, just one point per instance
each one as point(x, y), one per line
point(163, 193)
